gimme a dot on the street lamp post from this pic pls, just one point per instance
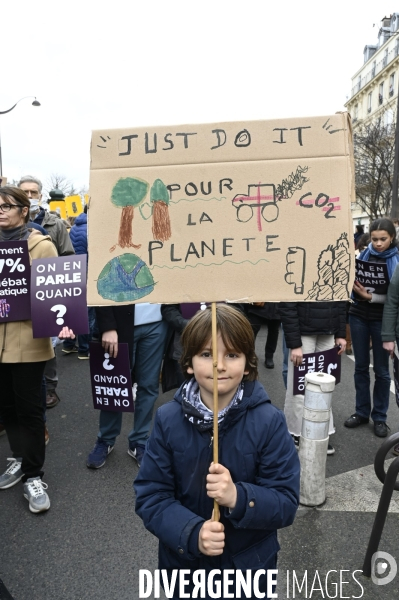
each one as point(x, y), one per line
point(3, 112)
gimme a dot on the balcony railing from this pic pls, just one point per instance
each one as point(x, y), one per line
point(375, 69)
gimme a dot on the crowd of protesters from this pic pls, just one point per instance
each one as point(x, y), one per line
point(164, 337)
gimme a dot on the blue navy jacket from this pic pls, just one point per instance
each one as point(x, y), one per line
point(78, 234)
point(171, 498)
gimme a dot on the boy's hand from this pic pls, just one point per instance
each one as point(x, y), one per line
point(211, 538)
point(66, 334)
point(341, 342)
point(109, 342)
point(389, 347)
point(220, 486)
point(296, 356)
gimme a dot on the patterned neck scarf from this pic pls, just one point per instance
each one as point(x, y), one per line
point(391, 257)
point(196, 411)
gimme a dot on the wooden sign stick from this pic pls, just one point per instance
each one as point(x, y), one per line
point(216, 512)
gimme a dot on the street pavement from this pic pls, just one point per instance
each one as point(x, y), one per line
point(91, 545)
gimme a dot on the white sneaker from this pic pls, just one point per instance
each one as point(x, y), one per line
point(34, 491)
point(12, 474)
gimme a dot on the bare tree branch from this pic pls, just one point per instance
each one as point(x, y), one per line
point(374, 149)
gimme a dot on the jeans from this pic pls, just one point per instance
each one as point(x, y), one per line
point(84, 339)
point(92, 321)
point(293, 407)
point(361, 332)
point(148, 351)
point(21, 410)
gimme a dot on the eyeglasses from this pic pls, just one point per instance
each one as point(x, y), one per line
point(8, 207)
point(33, 193)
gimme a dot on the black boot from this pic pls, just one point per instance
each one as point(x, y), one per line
point(269, 364)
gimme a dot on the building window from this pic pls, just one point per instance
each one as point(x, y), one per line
point(355, 112)
point(385, 59)
point(369, 97)
point(388, 117)
point(373, 70)
point(381, 93)
point(391, 84)
point(359, 81)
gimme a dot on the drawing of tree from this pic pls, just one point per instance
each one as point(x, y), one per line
point(333, 268)
point(127, 193)
point(159, 196)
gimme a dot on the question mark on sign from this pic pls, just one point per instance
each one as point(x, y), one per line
point(60, 309)
point(106, 364)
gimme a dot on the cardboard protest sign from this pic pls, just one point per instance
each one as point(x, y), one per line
point(3, 181)
point(14, 281)
point(58, 295)
point(373, 276)
point(396, 376)
point(328, 361)
point(110, 379)
point(243, 212)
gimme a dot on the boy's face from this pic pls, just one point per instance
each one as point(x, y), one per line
point(230, 370)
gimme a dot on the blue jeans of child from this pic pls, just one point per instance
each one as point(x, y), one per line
point(148, 351)
point(84, 339)
point(361, 332)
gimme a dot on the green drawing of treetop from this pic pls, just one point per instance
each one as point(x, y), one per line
point(127, 193)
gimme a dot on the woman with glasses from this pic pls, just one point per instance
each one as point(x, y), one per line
point(22, 361)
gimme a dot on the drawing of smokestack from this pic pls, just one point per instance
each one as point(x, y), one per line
point(295, 269)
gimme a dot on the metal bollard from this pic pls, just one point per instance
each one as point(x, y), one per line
point(314, 437)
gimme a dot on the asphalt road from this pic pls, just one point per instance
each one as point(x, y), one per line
point(91, 545)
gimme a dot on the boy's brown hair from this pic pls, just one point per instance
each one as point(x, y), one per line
point(236, 332)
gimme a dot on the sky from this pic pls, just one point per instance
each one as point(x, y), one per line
point(130, 63)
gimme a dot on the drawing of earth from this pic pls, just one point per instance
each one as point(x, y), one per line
point(125, 278)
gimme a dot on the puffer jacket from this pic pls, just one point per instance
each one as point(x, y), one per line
point(269, 310)
point(78, 234)
point(312, 318)
point(57, 231)
point(17, 344)
point(171, 498)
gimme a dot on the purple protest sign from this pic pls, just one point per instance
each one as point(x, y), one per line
point(372, 276)
point(58, 295)
point(328, 361)
point(111, 383)
point(14, 281)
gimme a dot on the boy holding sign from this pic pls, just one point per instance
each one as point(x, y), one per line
point(256, 481)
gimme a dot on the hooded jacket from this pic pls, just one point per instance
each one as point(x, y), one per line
point(78, 234)
point(171, 498)
point(17, 344)
point(57, 231)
